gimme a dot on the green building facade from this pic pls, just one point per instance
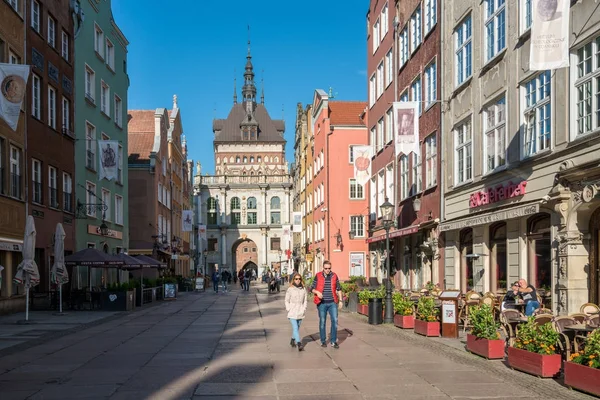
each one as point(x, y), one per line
point(102, 83)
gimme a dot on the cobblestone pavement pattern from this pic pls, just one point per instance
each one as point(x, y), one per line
point(236, 346)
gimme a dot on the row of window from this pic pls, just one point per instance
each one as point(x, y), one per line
point(316, 232)
point(90, 149)
point(164, 227)
point(53, 106)
point(237, 214)
point(105, 98)
point(51, 29)
point(10, 170)
point(52, 194)
point(411, 36)
point(246, 159)
point(164, 195)
point(104, 48)
point(274, 245)
point(106, 215)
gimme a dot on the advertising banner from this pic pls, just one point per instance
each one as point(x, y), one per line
point(406, 127)
point(362, 163)
point(13, 86)
point(549, 48)
point(109, 159)
point(202, 231)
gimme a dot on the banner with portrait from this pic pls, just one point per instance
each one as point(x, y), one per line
point(406, 127)
point(362, 163)
point(202, 232)
point(297, 221)
point(186, 220)
point(13, 87)
point(549, 45)
point(108, 159)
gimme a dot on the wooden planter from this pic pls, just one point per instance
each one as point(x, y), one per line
point(404, 321)
point(582, 378)
point(427, 328)
point(363, 309)
point(543, 366)
point(490, 349)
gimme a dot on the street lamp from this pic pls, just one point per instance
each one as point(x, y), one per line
point(280, 253)
point(387, 212)
point(205, 254)
point(103, 229)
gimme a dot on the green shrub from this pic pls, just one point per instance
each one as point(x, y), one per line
point(426, 310)
point(402, 304)
point(482, 320)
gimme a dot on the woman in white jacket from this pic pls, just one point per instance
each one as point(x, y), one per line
point(296, 301)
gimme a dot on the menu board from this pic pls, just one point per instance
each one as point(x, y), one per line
point(170, 290)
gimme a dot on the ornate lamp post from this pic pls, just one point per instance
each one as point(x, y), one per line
point(387, 212)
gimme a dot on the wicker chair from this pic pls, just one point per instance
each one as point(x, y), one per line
point(544, 311)
point(472, 298)
point(579, 317)
point(505, 323)
point(542, 319)
point(559, 324)
point(589, 309)
point(594, 321)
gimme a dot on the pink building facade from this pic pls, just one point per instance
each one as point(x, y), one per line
point(339, 204)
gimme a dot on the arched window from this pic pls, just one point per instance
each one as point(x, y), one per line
point(251, 159)
point(251, 173)
point(251, 215)
point(211, 211)
point(258, 159)
point(235, 211)
point(237, 160)
point(466, 263)
point(245, 159)
point(218, 160)
point(498, 258)
point(276, 160)
point(275, 210)
point(231, 159)
point(266, 159)
point(539, 249)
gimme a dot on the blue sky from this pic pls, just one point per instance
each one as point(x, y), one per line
point(192, 48)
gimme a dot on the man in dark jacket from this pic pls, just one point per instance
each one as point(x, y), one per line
point(328, 294)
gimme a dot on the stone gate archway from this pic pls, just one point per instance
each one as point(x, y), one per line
point(244, 251)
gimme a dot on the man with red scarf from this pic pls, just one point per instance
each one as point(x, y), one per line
point(328, 294)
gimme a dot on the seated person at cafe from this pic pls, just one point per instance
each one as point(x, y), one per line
point(508, 302)
point(529, 296)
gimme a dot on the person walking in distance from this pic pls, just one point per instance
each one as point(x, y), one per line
point(216, 277)
point(224, 280)
point(328, 293)
point(247, 277)
point(296, 300)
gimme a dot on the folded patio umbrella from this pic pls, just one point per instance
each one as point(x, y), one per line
point(59, 274)
point(27, 270)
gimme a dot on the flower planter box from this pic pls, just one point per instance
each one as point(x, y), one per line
point(363, 309)
point(582, 377)
point(490, 349)
point(427, 328)
point(543, 366)
point(404, 321)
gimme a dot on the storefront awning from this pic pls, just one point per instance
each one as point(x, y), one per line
point(394, 234)
point(7, 244)
point(490, 217)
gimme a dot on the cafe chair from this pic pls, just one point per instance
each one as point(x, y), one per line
point(559, 324)
point(594, 321)
point(589, 309)
point(580, 318)
point(542, 319)
point(542, 310)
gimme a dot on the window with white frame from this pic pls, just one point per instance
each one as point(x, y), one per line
point(373, 202)
point(463, 152)
point(415, 29)
point(403, 47)
point(495, 27)
point(431, 161)
point(160, 193)
point(494, 138)
point(15, 172)
point(36, 98)
point(430, 14)
point(357, 225)
point(110, 54)
point(65, 45)
point(104, 98)
point(53, 187)
point(90, 146)
point(98, 40)
point(51, 107)
point(372, 90)
point(376, 36)
point(385, 22)
point(13, 58)
point(464, 51)
point(389, 183)
point(417, 174)
point(380, 190)
point(389, 69)
point(36, 181)
point(404, 183)
point(380, 135)
point(373, 139)
point(526, 15)
point(118, 111)
point(430, 84)
point(404, 96)
point(415, 93)
point(389, 123)
point(120, 165)
point(587, 87)
point(90, 198)
point(380, 77)
point(106, 201)
point(356, 190)
point(66, 114)
point(35, 15)
point(67, 192)
point(118, 209)
point(51, 31)
point(90, 84)
point(537, 125)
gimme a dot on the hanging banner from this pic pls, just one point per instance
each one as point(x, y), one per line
point(406, 127)
point(549, 48)
point(109, 159)
point(186, 220)
point(297, 227)
point(362, 163)
point(202, 232)
point(13, 86)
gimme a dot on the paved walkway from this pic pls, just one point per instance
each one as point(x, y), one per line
point(236, 345)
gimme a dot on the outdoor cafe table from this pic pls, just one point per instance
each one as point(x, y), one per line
point(580, 328)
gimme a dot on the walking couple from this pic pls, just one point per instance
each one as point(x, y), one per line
point(327, 296)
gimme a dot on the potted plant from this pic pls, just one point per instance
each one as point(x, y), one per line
point(349, 296)
point(403, 311)
point(534, 350)
point(363, 301)
point(426, 322)
point(582, 372)
point(484, 338)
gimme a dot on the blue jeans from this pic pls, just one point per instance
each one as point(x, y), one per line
point(224, 285)
point(332, 309)
point(531, 306)
point(246, 284)
point(216, 286)
point(296, 329)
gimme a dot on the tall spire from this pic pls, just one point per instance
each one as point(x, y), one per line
point(262, 90)
point(234, 91)
point(249, 89)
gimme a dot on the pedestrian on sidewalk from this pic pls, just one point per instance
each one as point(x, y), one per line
point(296, 300)
point(224, 280)
point(216, 277)
point(247, 277)
point(328, 293)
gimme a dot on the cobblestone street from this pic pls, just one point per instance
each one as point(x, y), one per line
point(236, 345)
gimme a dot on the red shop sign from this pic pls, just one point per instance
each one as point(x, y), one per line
point(497, 193)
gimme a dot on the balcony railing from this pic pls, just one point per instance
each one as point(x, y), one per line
point(242, 179)
point(15, 185)
point(67, 202)
point(37, 192)
point(53, 197)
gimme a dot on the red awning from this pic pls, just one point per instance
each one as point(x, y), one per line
point(394, 234)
